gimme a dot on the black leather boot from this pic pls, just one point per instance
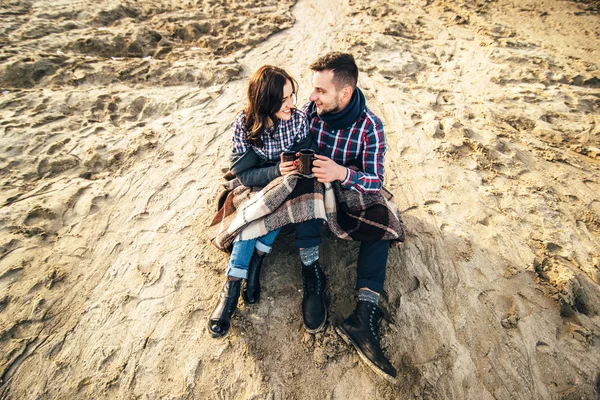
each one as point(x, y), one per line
point(219, 321)
point(314, 311)
point(361, 331)
point(251, 292)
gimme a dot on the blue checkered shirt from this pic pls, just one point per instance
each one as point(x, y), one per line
point(275, 141)
point(361, 145)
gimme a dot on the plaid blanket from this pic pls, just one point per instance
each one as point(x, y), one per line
point(249, 213)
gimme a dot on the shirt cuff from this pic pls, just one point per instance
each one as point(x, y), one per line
point(349, 178)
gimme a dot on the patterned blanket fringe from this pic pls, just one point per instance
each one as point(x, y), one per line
point(248, 213)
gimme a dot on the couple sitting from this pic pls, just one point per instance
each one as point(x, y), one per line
point(345, 189)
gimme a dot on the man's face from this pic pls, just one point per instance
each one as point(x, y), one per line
point(324, 94)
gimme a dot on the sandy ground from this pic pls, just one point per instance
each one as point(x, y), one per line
point(115, 128)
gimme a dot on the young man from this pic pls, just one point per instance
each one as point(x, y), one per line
point(348, 134)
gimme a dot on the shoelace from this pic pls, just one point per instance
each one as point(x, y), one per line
point(312, 283)
point(373, 323)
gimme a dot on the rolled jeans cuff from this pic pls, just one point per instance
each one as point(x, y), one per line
point(306, 243)
point(262, 247)
point(237, 272)
point(369, 284)
point(308, 234)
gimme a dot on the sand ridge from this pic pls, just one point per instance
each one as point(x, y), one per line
point(115, 126)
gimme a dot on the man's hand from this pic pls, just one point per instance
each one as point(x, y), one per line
point(287, 167)
point(327, 170)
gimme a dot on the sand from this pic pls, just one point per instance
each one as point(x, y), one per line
point(115, 124)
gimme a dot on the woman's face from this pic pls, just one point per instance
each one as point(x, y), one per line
point(288, 102)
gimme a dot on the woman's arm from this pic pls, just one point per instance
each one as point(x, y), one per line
point(260, 176)
point(240, 162)
point(244, 162)
point(246, 166)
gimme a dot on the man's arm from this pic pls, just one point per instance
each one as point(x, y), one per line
point(370, 180)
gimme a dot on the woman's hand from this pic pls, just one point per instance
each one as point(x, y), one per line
point(287, 167)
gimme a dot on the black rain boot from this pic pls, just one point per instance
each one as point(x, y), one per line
point(314, 311)
point(251, 292)
point(361, 331)
point(218, 324)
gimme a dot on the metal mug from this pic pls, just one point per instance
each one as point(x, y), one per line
point(287, 156)
point(305, 161)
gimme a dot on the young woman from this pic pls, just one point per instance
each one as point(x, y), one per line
point(268, 126)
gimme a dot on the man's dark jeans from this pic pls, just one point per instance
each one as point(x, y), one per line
point(372, 257)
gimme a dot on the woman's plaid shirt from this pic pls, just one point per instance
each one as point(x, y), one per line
point(361, 145)
point(287, 133)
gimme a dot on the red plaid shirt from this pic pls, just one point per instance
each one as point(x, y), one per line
point(361, 145)
point(288, 133)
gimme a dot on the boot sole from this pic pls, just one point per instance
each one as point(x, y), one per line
point(320, 327)
point(217, 335)
point(346, 338)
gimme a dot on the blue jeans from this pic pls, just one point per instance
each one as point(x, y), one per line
point(372, 256)
point(243, 250)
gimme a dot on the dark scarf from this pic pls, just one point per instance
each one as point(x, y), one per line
point(347, 116)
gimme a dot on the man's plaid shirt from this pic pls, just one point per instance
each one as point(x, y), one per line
point(361, 145)
point(287, 133)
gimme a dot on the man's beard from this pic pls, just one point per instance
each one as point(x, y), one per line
point(335, 110)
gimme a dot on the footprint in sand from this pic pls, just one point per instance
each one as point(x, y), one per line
point(97, 203)
point(57, 146)
point(136, 108)
point(444, 100)
point(39, 215)
point(48, 168)
point(4, 302)
point(104, 106)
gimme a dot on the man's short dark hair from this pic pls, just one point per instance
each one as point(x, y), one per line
point(345, 71)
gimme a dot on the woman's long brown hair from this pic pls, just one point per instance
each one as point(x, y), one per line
point(265, 95)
